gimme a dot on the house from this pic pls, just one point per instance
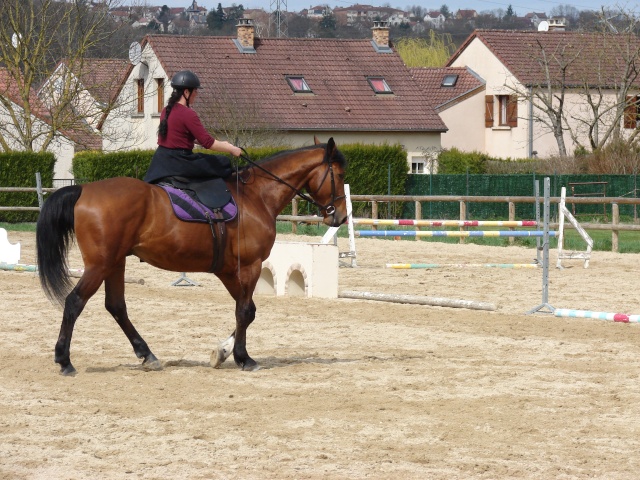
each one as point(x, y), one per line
point(367, 13)
point(535, 18)
point(435, 19)
point(318, 12)
point(61, 144)
point(514, 66)
point(457, 93)
point(466, 15)
point(92, 83)
point(285, 89)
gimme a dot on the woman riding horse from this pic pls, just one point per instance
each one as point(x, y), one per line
point(179, 129)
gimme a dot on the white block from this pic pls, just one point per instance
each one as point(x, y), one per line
point(300, 269)
point(8, 253)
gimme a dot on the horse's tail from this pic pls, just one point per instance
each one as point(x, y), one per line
point(54, 234)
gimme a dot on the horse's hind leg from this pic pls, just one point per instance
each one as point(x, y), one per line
point(73, 306)
point(116, 306)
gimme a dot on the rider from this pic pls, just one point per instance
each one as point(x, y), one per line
point(180, 127)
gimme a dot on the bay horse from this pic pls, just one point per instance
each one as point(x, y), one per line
point(114, 218)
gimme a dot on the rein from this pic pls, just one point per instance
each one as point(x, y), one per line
point(329, 208)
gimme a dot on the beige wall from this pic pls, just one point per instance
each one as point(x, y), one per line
point(465, 121)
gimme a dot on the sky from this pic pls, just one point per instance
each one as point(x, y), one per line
point(521, 7)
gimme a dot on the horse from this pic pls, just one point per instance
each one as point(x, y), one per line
point(114, 218)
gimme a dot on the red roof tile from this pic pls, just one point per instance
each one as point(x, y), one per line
point(335, 70)
point(430, 80)
point(592, 57)
point(102, 77)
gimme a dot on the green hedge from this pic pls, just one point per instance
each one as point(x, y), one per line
point(370, 167)
point(91, 166)
point(18, 169)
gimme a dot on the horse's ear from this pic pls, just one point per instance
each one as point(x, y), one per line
point(316, 141)
point(331, 147)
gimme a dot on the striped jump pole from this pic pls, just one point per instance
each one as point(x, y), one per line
point(447, 223)
point(18, 267)
point(461, 265)
point(451, 233)
point(611, 317)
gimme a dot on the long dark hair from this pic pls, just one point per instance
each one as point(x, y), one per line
point(163, 128)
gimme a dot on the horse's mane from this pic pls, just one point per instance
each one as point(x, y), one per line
point(338, 157)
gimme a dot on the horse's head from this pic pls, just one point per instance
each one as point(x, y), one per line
point(326, 185)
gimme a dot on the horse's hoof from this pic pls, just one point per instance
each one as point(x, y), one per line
point(151, 363)
point(68, 371)
point(250, 366)
point(217, 357)
point(222, 352)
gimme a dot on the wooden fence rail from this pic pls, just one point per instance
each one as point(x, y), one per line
point(615, 226)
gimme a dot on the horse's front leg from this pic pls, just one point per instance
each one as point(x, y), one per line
point(242, 292)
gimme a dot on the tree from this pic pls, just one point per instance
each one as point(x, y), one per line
point(34, 36)
point(444, 10)
point(510, 13)
point(328, 24)
point(215, 18)
point(164, 17)
point(421, 52)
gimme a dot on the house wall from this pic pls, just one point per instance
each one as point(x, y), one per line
point(61, 147)
point(465, 121)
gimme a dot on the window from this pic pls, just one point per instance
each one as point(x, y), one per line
point(418, 165)
point(507, 111)
point(140, 84)
point(379, 85)
point(298, 84)
point(632, 112)
point(449, 81)
point(160, 85)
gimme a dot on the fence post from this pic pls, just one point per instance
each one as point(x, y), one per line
point(512, 216)
point(418, 212)
point(463, 216)
point(294, 211)
point(615, 214)
point(374, 212)
point(39, 189)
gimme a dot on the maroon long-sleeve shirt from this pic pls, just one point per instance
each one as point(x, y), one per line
point(184, 129)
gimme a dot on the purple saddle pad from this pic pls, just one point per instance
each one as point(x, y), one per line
point(190, 210)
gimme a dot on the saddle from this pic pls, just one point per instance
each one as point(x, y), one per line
point(204, 201)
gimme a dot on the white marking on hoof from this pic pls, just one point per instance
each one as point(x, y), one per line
point(222, 352)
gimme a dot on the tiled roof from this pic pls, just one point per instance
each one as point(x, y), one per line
point(430, 80)
point(102, 77)
point(82, 135)
point(11, 91)
point(335, 70)
point(595, 58)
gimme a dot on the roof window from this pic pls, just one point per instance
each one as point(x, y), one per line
point(449, 81)
point(298, 84)
point(379, 85)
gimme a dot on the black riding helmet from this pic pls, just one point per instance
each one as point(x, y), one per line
point(185, 79)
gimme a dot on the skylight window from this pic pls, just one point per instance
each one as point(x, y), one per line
point(298, 84)
point(379, 85)
point(449, 81)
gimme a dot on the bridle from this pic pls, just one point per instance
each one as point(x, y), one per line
point(329, 208)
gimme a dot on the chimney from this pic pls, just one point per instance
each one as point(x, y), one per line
point(381, 34)
point(246, 32)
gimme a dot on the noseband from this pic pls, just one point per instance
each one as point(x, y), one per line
point(329, 208)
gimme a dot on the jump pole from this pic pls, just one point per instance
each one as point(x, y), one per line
point(447, 223)
point(611, 317)
point(461, 265)
point(453, 233)
point(418, 300)
point(76, 273)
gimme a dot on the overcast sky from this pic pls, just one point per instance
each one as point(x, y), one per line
point(521, 7)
